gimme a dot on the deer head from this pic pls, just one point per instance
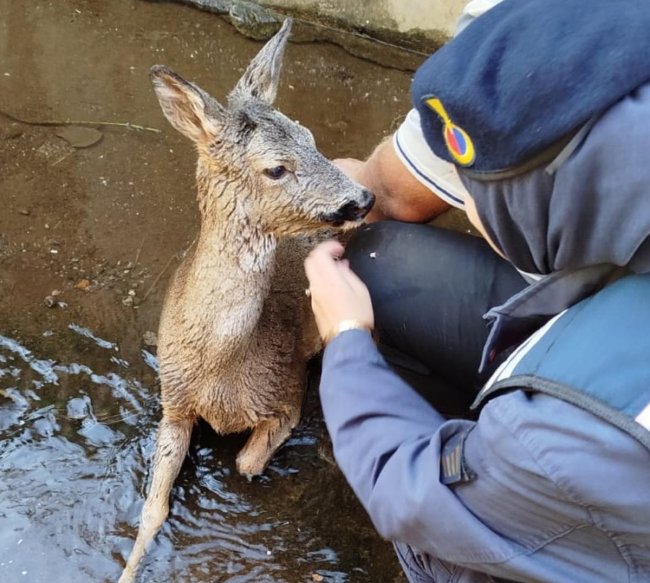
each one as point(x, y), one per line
point(253, 160)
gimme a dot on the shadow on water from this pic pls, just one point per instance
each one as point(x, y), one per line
point(89, 235)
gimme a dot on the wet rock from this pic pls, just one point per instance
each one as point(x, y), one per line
point(247, 17)
point(150, 338)
point(79, 137)
point(253, 20)
point(215, 6)
point(50, 302)
point(54, 151)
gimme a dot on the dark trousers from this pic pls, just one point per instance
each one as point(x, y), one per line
point(430, 288)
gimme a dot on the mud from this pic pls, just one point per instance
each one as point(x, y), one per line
point(91, 226)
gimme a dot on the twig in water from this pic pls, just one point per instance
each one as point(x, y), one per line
point(155, 281)
point(67, 122)
point(137, 255)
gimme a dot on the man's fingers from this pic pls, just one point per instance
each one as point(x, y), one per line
point(349, 166)
point(321, 262)
point(327, 250)
point(355, 282)
point(326, 271)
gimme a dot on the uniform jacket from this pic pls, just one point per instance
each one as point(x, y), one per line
point(542, 487)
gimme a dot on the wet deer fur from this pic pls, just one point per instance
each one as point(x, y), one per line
point(236, 329)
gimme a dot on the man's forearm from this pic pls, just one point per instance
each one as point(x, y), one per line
point(400, 196)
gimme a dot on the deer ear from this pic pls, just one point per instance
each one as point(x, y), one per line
point(263, 74)
point(187, 107)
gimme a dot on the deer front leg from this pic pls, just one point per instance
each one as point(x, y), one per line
point(171, 446)
point(267, 437)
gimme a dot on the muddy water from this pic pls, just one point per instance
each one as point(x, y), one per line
point(88, 239)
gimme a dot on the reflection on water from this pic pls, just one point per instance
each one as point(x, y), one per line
point(71, 441)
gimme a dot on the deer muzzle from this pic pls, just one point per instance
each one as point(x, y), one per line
point(354, 210)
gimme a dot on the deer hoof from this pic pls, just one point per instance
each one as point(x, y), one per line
point(128, 576)
point(250, 465)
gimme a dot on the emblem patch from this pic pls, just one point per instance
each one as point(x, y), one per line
point(458, 142)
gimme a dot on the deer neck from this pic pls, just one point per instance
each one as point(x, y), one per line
point(231, 268)
point(230, 242)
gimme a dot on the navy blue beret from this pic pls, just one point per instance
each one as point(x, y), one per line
point(524, 76)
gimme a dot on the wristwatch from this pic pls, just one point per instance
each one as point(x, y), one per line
point(345, 325)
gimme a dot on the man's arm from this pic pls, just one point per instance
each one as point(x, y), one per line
point(392, 447)
point(400, 196)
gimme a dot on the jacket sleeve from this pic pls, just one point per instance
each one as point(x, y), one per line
point(388, 440)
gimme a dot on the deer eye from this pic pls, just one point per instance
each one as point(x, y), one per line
point(275, 173)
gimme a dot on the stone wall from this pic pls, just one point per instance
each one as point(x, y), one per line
point(426, 23)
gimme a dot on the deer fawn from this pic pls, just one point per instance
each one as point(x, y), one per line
point(236, 329)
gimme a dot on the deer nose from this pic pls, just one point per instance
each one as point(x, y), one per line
point(353, 210)
point(368, 202)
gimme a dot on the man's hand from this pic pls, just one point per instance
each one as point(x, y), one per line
point(352, 168)
point(337, 294)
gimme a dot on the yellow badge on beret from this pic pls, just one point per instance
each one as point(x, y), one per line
point(458, 142)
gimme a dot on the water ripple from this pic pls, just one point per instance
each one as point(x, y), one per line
point(75, 443)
